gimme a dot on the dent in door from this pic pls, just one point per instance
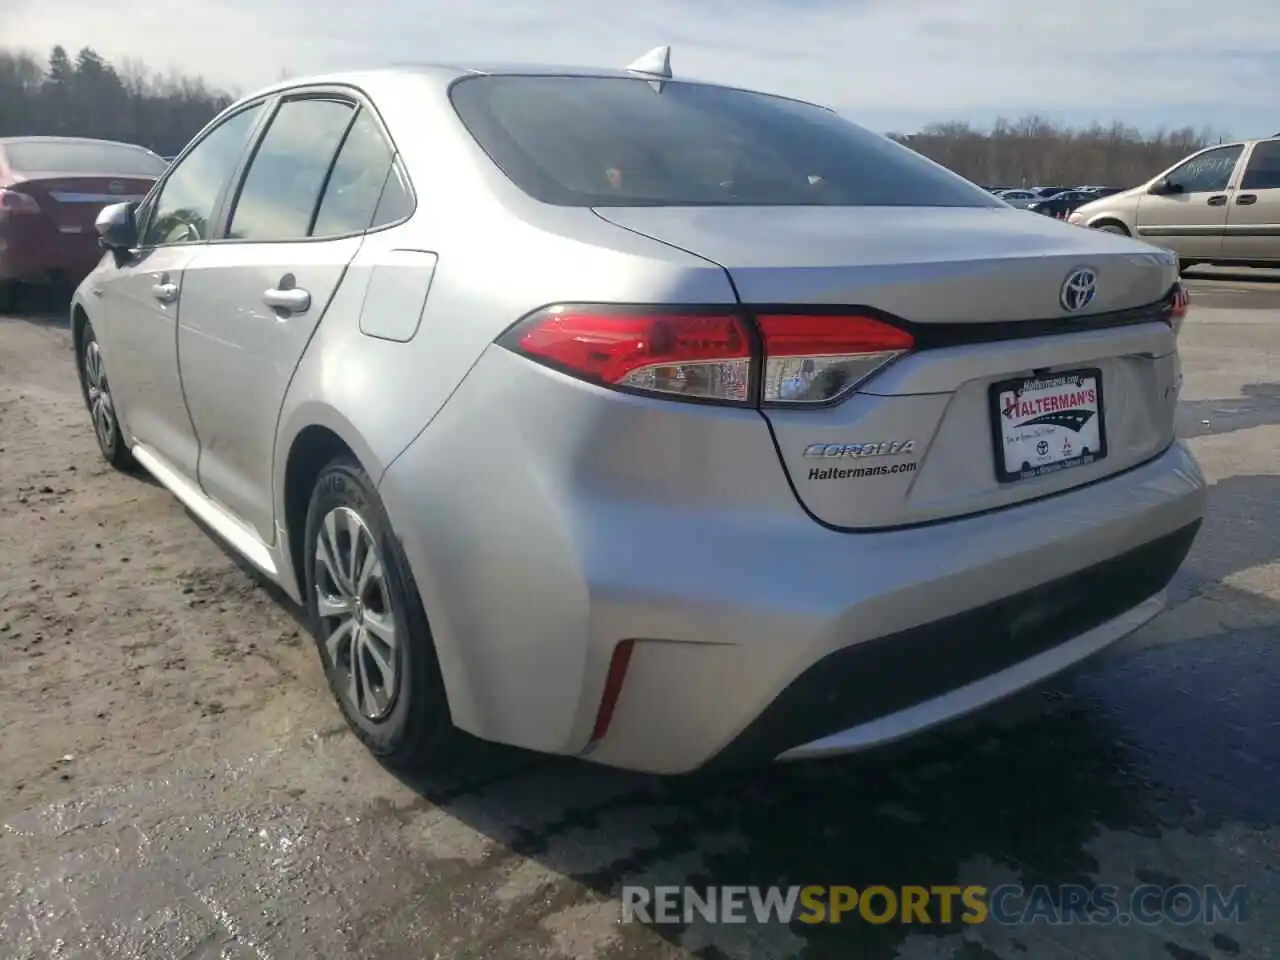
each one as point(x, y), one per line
point(397, 295)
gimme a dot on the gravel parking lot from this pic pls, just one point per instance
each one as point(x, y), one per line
point(177, 783)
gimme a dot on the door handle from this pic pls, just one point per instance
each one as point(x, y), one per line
point(166, 291)
point(292, 300)
point(1218, 200)
point(1247, 198)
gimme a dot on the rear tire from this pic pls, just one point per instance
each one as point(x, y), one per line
point(96, 390)
point(369, 625)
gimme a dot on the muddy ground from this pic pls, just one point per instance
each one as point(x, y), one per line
point(177, 783)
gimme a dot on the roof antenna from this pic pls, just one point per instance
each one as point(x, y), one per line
point(655, 63)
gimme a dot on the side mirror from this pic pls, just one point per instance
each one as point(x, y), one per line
point(117, 226)
point(1164, 186)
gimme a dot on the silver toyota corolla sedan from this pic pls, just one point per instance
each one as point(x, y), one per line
point(663, 423)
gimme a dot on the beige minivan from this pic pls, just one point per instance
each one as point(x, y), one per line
point(1220, 205)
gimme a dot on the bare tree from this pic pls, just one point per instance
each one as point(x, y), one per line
point(1034, 150)
point(87, 96)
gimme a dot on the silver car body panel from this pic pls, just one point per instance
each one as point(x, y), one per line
point(546, 519)
point(571, 522)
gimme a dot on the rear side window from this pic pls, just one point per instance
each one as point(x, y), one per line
point(396, 202)
point(84, 157)
point(1263, 171)
point(361, 175)
point(603, 141)
point(282, 187)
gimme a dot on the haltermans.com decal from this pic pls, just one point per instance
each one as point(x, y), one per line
point(857, 473)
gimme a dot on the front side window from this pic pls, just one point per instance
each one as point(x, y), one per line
point(282, 187)
point(604, 141)
point(1263, 171)
point(185, 206)
point(1207, 172)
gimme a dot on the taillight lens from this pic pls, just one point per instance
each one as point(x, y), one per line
point(713, 355)
point(1178, 309)
point(818, 358)
point(705, 356)
point(15, 204)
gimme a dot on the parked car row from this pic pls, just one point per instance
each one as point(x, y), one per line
point(1055, 202)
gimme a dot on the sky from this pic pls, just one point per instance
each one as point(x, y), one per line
point(892, 65)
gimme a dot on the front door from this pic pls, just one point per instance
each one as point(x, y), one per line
point(138, 338)
point(1192, 220)
point(1253, 223)
point(142, 297)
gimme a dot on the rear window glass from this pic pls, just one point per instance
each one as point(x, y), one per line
point(601, 141)
point(111, 159)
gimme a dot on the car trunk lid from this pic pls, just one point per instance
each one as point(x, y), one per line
point(72, 203)
point(1009, 395)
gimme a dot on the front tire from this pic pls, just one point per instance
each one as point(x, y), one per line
point(96, 390)
point(369, 625)
point(1115, 228)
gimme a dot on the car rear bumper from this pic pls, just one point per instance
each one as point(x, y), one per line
point(33, 251)
point(543, 540)
point(881, 690)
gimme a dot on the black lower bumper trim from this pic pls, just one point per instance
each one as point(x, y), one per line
point(872, 679)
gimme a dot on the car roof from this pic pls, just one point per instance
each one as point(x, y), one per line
point(446, 73)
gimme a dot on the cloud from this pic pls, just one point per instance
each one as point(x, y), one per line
point(1148, 61)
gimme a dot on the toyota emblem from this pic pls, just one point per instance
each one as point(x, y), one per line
point(1078, 289)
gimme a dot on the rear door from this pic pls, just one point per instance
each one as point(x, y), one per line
point(252, 301)
point(1253, 223)
point(1193, 220)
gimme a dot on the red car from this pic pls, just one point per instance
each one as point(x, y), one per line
point(51, 189)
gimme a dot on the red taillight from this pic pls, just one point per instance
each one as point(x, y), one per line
point(806, 358)
point(817, 358)
point(1179, 304)
point(612, 688)
point(15, 204)
point(700, 355)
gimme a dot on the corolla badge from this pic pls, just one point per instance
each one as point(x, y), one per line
point(873, 448)
point(1078, 290)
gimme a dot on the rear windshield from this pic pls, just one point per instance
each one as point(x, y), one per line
point(602, 141)
point(70, 156)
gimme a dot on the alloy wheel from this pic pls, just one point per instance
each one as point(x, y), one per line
point(98, 392)
point(353, 605)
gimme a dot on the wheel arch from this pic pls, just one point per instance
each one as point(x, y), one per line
point(1110, 221)
point(79, 320)
point(313, 437)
